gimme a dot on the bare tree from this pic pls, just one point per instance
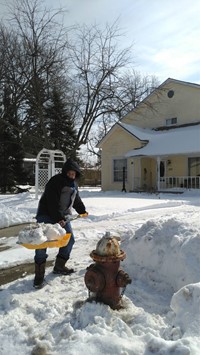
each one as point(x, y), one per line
point(97, 63)
point(87, 61)
point(131, 89)
point(43, 41)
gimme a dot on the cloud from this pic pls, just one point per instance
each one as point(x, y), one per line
point(167, 38)
point(165, 33)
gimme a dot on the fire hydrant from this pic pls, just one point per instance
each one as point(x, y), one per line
point(104, 278)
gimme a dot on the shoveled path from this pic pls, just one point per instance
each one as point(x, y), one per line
point(12, 230)
point(15, 272)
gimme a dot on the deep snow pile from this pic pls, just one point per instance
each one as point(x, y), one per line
point(159, 241)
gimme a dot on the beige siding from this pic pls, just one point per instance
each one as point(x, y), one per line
point(178, 166)
point(153, 112)
point(115, 148)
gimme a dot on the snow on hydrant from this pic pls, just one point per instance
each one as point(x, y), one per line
point(104, 278)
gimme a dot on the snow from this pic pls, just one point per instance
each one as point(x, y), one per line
point(183, 140)
point(40, 232)
point(161, 307)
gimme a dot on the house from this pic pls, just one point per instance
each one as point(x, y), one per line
point(156, 147)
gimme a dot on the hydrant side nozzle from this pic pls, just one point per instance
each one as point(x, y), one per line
point(123, 279)
point(94, 279)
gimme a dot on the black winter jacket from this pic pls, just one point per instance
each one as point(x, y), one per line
point(61, 193)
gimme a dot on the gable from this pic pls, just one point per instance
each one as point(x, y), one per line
point(120, 140)
point(173, 99)
point(117, 133)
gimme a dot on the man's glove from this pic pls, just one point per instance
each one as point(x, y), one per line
point(85, 214)
point(62, 223)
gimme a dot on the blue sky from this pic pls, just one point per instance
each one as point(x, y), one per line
point(165, 33)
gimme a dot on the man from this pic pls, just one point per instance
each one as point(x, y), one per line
point(60, 195)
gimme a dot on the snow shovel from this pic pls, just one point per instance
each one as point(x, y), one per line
point(54, 243)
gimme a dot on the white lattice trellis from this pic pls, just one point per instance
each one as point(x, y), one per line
point(48, 164)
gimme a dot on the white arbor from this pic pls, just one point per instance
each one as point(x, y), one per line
point(48, 164)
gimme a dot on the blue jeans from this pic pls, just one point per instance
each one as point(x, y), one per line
point(41, 254)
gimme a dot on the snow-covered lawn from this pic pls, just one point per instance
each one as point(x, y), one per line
point(161, 237)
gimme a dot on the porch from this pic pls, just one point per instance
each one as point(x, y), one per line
point(166, 173)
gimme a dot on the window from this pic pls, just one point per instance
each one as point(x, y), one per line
point(118, 165)
point(170, 94)
point(171, 121)
point(194, 166)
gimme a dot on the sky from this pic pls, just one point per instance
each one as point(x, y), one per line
point(164, 33)
point(160, 312)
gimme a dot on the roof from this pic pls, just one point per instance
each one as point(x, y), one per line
point(142, 134)
point(183, 140)
point(169, 80)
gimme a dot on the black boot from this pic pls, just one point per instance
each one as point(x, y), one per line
point(39, 275)
point(60, 267)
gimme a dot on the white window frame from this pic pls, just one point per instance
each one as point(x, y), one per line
point(171, 121)
point(120, 170)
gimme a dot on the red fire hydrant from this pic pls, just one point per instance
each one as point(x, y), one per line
point(104, 278)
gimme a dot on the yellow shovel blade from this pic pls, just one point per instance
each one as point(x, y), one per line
point(58, 243)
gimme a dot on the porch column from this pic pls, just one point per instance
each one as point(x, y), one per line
point(139, 172)
point(158, 173)
point(132, 174)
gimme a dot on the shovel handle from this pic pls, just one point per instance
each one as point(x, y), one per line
point(72, 218)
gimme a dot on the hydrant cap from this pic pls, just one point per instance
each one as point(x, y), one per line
point(108, 246)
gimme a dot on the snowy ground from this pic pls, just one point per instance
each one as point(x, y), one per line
point(161, 314)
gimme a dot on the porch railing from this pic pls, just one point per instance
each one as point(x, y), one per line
point(176, 183)
point(180, 182)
